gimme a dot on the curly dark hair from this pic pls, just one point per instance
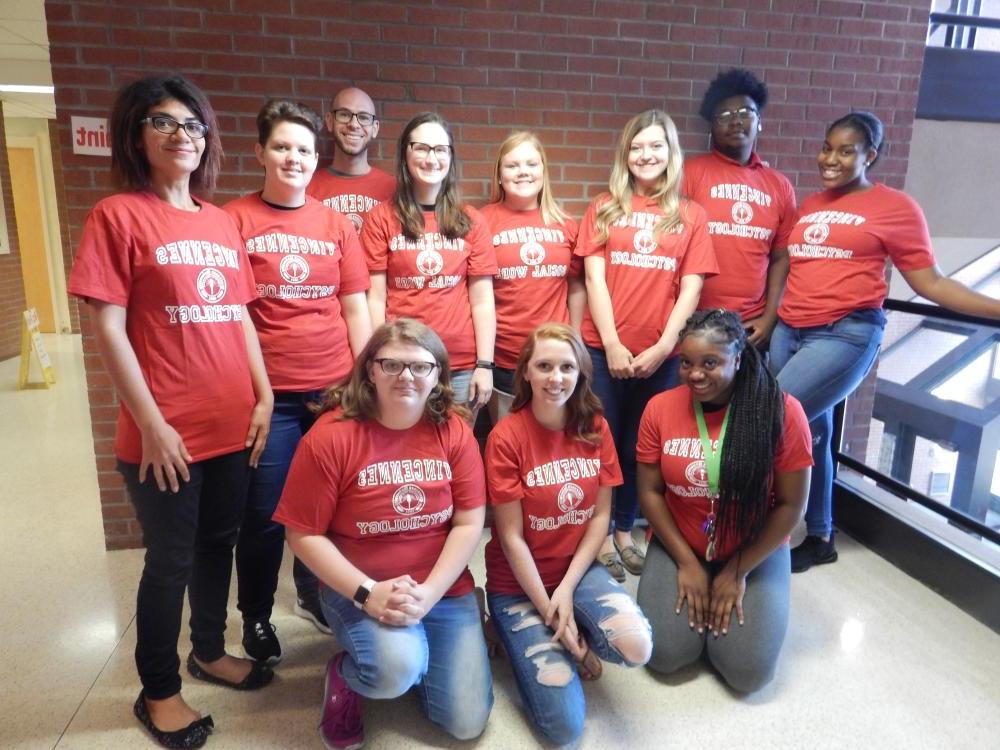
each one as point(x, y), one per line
point(733, 82)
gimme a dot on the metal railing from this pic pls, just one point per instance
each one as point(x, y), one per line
point(896, 487)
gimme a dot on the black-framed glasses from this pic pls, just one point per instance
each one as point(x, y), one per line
point(396, 367)
point(169, 126)
point(423, 150)
point(344, 116)
point(743, 114)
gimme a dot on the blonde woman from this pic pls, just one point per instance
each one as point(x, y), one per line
point(646, 252)
point(538, 277)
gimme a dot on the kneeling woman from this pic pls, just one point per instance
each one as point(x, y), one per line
point(731, 455)
point(551, 466)
point(385, 502)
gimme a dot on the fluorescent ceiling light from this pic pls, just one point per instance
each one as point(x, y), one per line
point(14, 88)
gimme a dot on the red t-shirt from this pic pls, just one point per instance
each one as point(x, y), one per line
point(556, 479)
point(839, 250)
point(302, 261)
point(751, 210)
point(183, 279)
point(384, 497)
point(428, 278)
point(531, 285)
point(668, 435)
point(644, 274)
point(352, 195)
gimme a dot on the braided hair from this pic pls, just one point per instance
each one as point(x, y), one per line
point(756, 423)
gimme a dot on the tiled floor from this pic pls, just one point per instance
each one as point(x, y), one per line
point(872, 658)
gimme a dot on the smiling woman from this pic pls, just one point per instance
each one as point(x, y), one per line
point(539, 278)
point(312, 319)
point(430, 256)
point(187, 436)
point(385, 502)
point(831, 320)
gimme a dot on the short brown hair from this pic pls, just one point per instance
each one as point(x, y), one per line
point(285, 110)
point(129, 164)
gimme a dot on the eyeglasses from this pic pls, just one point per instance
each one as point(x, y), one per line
point(169, 126)
point(396, 367)
point(743, 114)
point(344, 116)
point(423, 150)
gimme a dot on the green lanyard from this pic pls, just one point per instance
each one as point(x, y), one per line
point(713, 458)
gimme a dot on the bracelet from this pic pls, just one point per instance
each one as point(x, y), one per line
point(484, 364)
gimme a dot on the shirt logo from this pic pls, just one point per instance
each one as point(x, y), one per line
point(357, 221)
point(430, 262)
point(742, 213)
point(816, 233)
point(408, 499)
point(294, 269)
point(570, 496)
point(211, 285)
point(695, 473)
point(644, 241)
point(532, 253)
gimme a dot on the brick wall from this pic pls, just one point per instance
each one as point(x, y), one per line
point(574, 70)
point(11, 282)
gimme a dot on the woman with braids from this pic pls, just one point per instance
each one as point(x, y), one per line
point(830, 319)
point(750, 207)
point(645, 254)
point(430, 256)
point(385, 503)
point(723, 471)
point(552, 465)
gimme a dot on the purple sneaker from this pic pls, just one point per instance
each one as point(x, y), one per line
point(340, 727)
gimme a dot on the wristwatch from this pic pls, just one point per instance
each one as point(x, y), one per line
point(484, 364)
point(363, 592)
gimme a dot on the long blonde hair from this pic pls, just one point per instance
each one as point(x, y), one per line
point(622, 183)
point(551, 213)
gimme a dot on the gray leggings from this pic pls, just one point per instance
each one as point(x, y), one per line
point(746, 657)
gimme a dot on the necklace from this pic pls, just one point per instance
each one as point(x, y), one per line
point(713, 460)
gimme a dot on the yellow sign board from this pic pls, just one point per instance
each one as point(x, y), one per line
point(31, 341)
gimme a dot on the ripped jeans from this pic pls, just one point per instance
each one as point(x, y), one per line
point(546, 675)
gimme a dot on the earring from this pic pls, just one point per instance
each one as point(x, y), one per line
point(760, 126)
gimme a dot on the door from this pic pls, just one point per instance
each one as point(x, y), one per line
point(29, 213)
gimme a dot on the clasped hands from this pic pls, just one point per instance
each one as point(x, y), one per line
point(399, 601)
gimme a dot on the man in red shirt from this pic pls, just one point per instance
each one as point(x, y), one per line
point(350, 184)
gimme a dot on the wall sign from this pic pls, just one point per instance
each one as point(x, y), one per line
point(90, 136)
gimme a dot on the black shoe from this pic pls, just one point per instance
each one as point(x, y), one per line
point(813, 551)
point(260, 676)
point(193, 735)
point(310, 610)
point(260, 642)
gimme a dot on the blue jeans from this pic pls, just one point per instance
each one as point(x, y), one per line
point(444, 655)
point(262, 541)
point(624, 400)
point(821, 366)
point(550, 688)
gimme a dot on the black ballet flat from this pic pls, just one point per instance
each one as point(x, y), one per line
point(194, 734)
point(260, 675)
